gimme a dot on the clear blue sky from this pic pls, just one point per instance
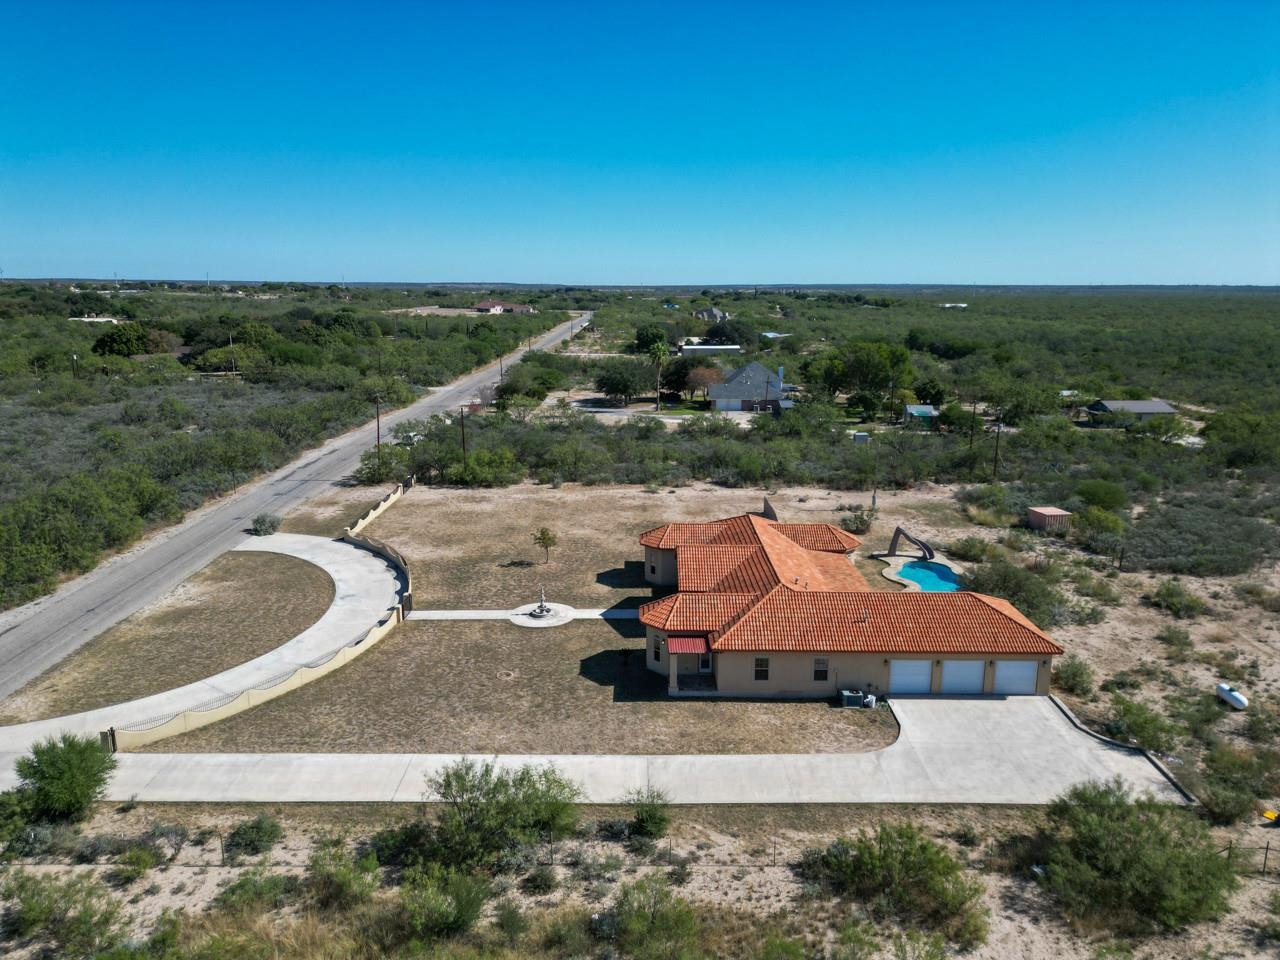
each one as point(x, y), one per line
point(646, 142)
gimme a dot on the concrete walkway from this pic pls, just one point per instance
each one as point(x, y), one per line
point(365, 589)
point(1019, 750)
point(574, 613)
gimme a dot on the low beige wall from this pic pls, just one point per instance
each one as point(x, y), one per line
point(353, 536)
point(193, 719)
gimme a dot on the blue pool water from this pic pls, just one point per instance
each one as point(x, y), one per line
point(930, 576)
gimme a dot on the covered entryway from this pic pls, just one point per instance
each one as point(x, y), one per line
point(1016, 677)
point(910, 676)
point(963, 676)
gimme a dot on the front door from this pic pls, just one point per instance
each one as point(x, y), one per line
point(704, 662)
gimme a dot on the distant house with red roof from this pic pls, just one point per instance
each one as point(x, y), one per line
point(770, 609)
point(502, 306)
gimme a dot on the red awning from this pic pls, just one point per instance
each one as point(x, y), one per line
point(686, 644)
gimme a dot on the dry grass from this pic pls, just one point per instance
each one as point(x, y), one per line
point(337, 508)
point(237, 608)
point(492, 687)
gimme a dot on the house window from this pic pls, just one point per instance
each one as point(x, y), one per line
point(762, 668)
point(653, 568)
point(820, 669)
point(657, 649)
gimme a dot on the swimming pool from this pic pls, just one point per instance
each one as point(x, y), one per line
point(933, 577)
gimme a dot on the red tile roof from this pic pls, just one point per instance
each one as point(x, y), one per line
point(752, 584)
point(695, 612)
point(877, 621)
point(743, 530)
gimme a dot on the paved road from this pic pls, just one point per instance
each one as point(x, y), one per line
point(1019, 750)
point(365, 589)
point(38, 635)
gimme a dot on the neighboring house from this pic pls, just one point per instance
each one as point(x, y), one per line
point(698, 347)
point(94, 318)
point(754, 387)
point(711, 314)
point(769, 609)
point(774, 335)
point(919, 415)
point(1140, 410)
point(954, 306)
point(501, 306)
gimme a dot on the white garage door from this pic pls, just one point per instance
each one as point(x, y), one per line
point(910, 676)
point(962, 676)
point(1016, 676)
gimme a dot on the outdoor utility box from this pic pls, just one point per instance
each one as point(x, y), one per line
point(852, 698)
point(1048, 518)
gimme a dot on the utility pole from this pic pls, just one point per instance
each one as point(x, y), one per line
point(462, 421)
point(75, 366)
point(232, 344)
point(995, 461)
point(377, 412)
point(973, 421)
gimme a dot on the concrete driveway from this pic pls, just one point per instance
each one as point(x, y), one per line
point(365, 589)
point(1020, 750)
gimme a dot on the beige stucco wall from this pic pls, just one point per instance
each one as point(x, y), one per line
point(663, 664)
point(660, 567)
point(791, 674)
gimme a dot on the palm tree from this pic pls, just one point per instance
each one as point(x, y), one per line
point(658, 354)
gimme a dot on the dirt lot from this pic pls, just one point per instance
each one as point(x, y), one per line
point(237, 608)
point(474, 548)
point(492, 687)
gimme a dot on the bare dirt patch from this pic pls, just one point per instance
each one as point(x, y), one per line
point(237, 608)
point(492, 687)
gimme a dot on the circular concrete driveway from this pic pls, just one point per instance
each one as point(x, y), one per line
point(365, 588)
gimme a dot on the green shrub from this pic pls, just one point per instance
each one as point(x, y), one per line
point(1074, 676)
point(256, 890)
point(436, 902)
point(1031, 594)
point(1178, 643)
point(541, 880)
point(856, 940)
point(858, 521)
point(1132, 720)
point(337, 880)
point(408, 845)
point(265, 524)
point(487, 811)
point(918, 945)
point(1174, 599)
point(15, 813)
point(1015, 540)
point(133, 864)
point(651, 923)
point(902, 874)
point(1132, 865)
point(254, 837)
point(76, 914)
point(1102, 494)
point(64, 777)
point(649, 813)
point(970, 549)
point(1202, 536)
point(510, 922)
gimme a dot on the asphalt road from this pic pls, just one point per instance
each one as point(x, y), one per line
point(39, 634)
